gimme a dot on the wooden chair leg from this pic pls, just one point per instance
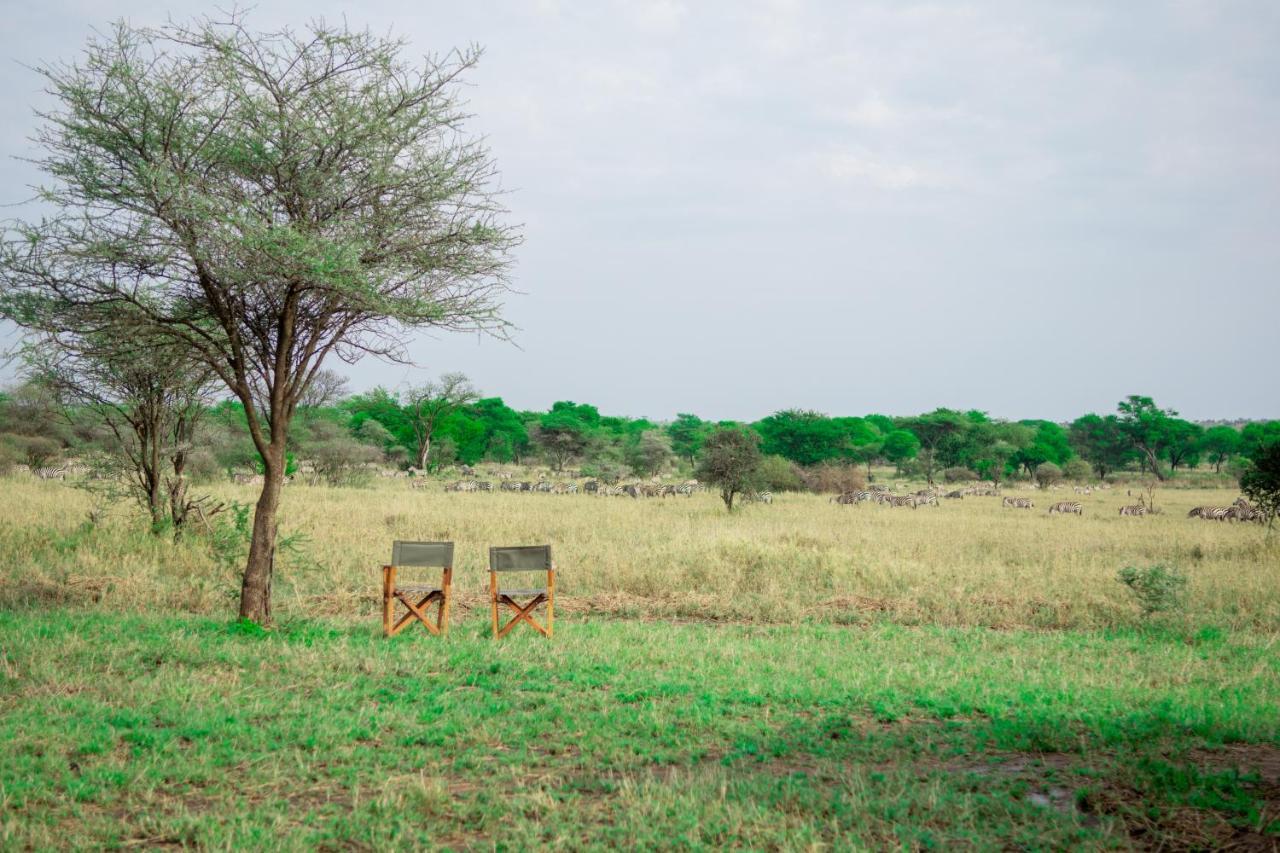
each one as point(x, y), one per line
point(493, 601)
point(446, 586)
point(388, 605)
point(551, 602)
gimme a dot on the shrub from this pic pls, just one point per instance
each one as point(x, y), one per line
point(830, 477)
point(1157, 588)
point(1047, 474)
point(959, 474)
point(780, 475)
point(1077, 469)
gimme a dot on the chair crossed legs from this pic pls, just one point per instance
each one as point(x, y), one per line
point(527, 558)
point(419, 555)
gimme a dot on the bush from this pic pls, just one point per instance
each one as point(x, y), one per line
point(830, 477)
point(1077, 469)
point(1047, 474)
point(780, 475)
point(1157, 588)
point(959, 474)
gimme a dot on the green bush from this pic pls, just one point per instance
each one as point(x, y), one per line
point(1157, 588)
point(959, 474)
point(1047, 474)
point(780, 475)
point(1077, 469)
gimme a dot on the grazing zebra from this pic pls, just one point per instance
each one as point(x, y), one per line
point(1065, 507)
point(50, 473)
point(247, 479)
point(418, 483)
point(758, 497)
point(1017, 503)
point(853, 497)
point(956, 495)
point(1134, 509)
point(902, 500)
point(1246, 512)
point(1211, 513)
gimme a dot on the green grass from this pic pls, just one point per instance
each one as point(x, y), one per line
point(123, 730)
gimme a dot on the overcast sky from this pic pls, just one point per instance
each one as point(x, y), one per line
point(735, 207)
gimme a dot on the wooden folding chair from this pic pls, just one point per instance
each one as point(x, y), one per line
point(417, 555)
point(526, 558)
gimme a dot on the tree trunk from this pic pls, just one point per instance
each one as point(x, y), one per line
point(255, 591)
point(424, 448)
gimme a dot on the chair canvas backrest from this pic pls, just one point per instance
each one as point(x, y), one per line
point(524, 558)
point(430, 554)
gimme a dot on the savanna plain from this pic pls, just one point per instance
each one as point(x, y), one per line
point(800, 675)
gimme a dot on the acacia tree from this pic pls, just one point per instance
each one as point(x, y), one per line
point(148, 392)
point(731, 461)
point(268, 201)
point(428, 404)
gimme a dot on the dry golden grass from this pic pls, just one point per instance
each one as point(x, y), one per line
point(967, 562)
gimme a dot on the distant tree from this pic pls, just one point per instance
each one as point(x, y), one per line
point(37, 451)
point(804, 437)
point(148, 392)
point(1258, 434)
point(649, 453)
point(933, 430)
point(565, 432)
point(1182, 443)
point(326, 388)
point(270, 201)
point(1102, 442)
point(1219, 444)
point(900, 446)
point(1261, 481)
point(1077, 469)
point(1047, 474)
point(428, 404)
point(1049, 443)
point(730, 461)
point(1147, 427)
point(687, 432)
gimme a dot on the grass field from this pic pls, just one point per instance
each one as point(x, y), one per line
point(964, 675)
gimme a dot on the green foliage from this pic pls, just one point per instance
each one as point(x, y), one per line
point(1047, 474)
point(900, 445)
point(780, 475)
point(1102, 442)
point(687, 432)
point(731, 462)
point(648, 452)
point(1261, 482)
point(1156, 588)
point(1220, 443)
point(1077, 469)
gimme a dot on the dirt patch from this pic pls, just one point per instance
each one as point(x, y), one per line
point(1246, 758)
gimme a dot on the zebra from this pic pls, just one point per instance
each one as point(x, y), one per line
point(955, 495)
point(508, 486)
point(1134, 509)
point(853, 497)
point(484, 486)
point(1245, 512)
point(758, 497)
point(1211, 513)
point(1017, 503)
point(902, 500)
point(50, 473)
point(1066, 507)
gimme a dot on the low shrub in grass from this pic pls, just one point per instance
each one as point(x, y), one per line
point(1156, 588)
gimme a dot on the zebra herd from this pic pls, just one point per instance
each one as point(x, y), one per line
point(1241, 510)
point(886, 498)
point(590, 487)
